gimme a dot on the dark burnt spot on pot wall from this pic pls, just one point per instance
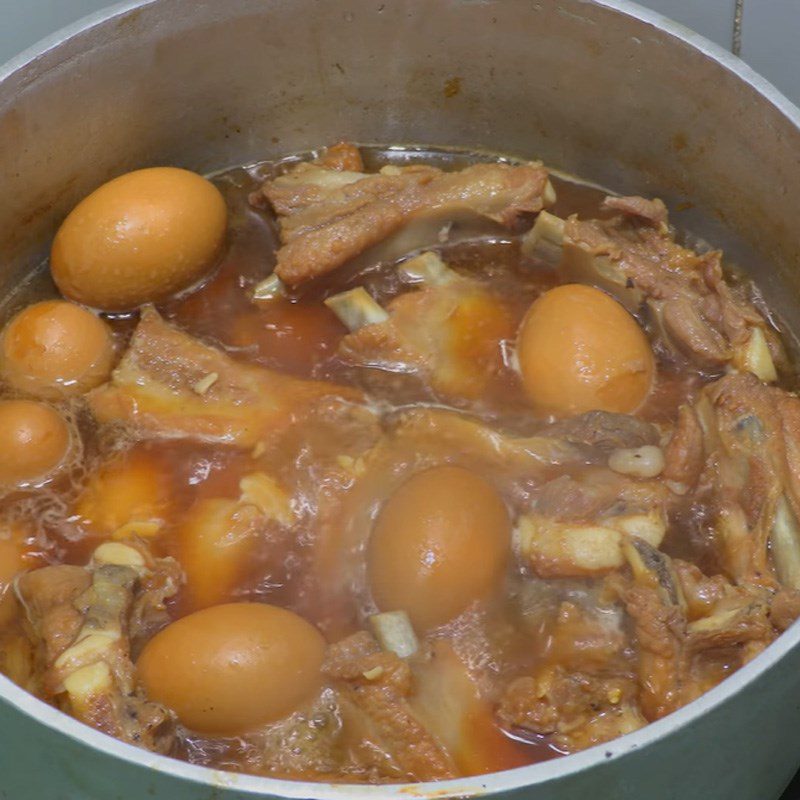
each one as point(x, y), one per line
point(452, 86)
point(679, 141)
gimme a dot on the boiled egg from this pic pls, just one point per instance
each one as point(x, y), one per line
point(131, 493)
point(34, 441)
point(580, 350)
point(227, 669)
point(56, 349)
point(440, 542)
point(139, 238)
point(216, 540)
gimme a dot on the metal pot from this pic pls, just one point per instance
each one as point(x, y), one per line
point(602, 89)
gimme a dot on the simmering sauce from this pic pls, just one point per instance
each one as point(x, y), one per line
point(538, 650)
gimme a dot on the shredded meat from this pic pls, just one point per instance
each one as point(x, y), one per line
point(599, 493)
point(574, 709)
point(360, 726)
point(155, 390)
point(309, 744)
point(566, 498)
point(697, 316)
point(605, 430)
point(751, 477)
point(373, 689)
point(349, 658)
point(739, 618)
point(78, 621)
point(683, 622)
point(303, 189)
point(445, 337)
point(450, 432)
point(327, 222)
point(684, 455)
point(700, 592)
point(48, 595)
point(785, 608)
point(582, 690)
point(148, 613)
point(659, 633)
point(654, 601)
point(652, 211)
point(690, 333)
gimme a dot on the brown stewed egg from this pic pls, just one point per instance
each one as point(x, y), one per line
point(139, 238)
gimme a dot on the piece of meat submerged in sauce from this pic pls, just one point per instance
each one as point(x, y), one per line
point(430, 466)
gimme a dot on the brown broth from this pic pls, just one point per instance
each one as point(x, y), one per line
point(300, 336)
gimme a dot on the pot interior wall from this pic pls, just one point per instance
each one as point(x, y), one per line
point(586, 88)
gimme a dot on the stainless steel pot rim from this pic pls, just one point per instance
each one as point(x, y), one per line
point(22, 69)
